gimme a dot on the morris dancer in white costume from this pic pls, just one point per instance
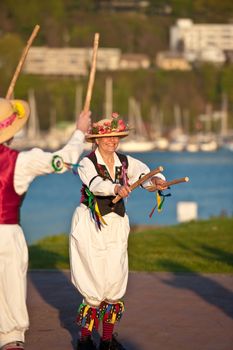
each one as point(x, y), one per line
point(17, 171)
point(99, 232)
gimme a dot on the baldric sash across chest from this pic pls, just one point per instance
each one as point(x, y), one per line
point(105, 202)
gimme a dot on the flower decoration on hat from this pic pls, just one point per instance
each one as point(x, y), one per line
point(19, 109)
point(13, 116)
point(106, 126)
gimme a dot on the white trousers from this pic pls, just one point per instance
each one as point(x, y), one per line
point(99, 258)
point(13, 272)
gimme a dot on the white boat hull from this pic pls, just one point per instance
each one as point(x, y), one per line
point(136, 146)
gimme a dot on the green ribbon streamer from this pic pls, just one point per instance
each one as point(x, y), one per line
point(91, 199)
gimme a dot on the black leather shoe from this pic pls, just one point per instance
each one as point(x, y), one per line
point(86, 344)
point(111, 344)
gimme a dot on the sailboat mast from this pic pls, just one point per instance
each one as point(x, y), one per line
point(33, 130)
point(108, 97)
point(78, 100)
point(224, 116)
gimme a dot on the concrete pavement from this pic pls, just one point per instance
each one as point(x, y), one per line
point(164, 311)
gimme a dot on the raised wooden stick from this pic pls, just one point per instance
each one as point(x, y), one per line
point(21, 62)
point(140, 181)
point(92, 74)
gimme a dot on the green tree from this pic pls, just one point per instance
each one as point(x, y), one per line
point(227, 82)
point(209, 81)
point(10, 50)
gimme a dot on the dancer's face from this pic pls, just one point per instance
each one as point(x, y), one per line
point(108, 144)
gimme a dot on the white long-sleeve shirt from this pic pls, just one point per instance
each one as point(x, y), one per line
point(100, 187)
point(37, 162)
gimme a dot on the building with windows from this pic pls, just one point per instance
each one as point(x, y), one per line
point(132, 61)
point(123, 5)
point(204, 42)
point(77, 61)
point(169, 60)
point(56, 61)
point(69, 61)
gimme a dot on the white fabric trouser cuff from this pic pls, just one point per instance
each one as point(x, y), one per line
point(10, 337)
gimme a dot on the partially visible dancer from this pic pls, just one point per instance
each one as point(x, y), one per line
point(17, 171)
point(99, 232)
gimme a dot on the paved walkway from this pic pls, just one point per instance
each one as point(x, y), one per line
point(164, 311)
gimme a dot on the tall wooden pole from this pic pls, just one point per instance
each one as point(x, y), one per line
point(92, 74)
point(21, 62)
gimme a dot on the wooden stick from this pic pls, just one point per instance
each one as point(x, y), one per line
point(169, 183)
point(92, 74)
point(21, 62)
point(140, 181)
point(177, 181)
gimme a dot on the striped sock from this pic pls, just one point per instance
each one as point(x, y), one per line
point(107, 330)
point(85, 333)
point(96, 324)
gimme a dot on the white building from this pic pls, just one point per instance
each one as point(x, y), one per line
point(69, 61)
point(132, 61)
point(107, 59)
point(206, 42)
point(171, 60)
point(56, 61)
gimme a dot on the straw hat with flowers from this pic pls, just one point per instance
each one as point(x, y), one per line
point(108, 127)
point(13, 115)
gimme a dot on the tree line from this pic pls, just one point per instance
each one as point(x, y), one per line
point(73, 23)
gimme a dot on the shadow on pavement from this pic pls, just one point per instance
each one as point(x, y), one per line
point(56, 289)
point(202, 285)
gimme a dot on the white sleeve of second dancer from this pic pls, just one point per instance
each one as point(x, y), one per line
point(137, 169)
point(35, 162)
point(97, 185)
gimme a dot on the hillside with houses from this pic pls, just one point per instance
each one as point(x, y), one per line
point(174, 61)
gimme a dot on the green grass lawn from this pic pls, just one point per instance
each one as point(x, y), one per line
point(202, 246)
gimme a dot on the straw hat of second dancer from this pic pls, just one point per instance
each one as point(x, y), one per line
point(108, 127)
point(13, 116)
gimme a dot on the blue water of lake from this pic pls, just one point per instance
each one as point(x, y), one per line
point(51, 200)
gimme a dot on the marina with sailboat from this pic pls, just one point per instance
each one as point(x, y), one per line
point(144, 136)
